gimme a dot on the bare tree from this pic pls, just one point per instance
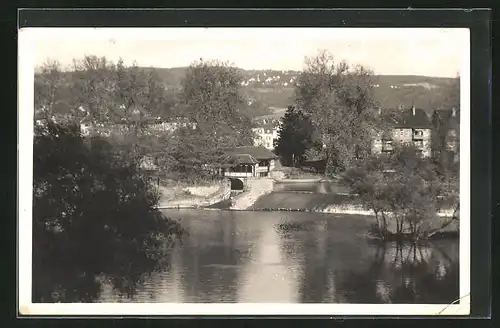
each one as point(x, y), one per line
point(48, 84)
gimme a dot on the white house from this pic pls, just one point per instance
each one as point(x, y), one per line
point(266, 134)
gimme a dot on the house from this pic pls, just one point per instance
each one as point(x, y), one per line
point(409, 126)
point(247, 162)
point(266, 134)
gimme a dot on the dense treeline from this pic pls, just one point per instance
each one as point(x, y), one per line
point(105, 93)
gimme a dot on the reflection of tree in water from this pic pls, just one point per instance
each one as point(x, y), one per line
point(211, 261)
point(413, 274)
point(340, 269)
point(64, 282)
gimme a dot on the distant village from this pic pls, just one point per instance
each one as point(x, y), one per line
point(287, 79)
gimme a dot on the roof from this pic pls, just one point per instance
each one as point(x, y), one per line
point(407, 118)
point(241, 159)
point(267, 126)
point(257, 152)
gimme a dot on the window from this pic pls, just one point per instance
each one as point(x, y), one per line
point(418, 133)
point(387, 145)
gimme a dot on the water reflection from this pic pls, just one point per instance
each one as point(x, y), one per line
point(405, 274)
point(297, 257)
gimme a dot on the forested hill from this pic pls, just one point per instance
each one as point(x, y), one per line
point(274, 88)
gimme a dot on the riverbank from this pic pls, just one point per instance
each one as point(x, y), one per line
point(328, 210)
point(178, 195)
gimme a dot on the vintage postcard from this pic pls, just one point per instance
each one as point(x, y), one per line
point(244, 171)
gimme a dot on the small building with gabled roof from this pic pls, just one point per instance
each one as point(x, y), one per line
point(247, 162)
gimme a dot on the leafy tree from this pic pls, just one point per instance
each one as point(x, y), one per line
point(295, 136)
point(94, 207)
point(93, 211)
point(404, 192)
point(212, 97)
point(339, 100)
point(123, 99)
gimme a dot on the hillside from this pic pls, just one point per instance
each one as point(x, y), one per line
point(273, 88)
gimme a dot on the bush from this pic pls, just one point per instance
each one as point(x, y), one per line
point(93, 210)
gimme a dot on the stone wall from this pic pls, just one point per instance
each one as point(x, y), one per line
point(198, 196)
point(256, 187)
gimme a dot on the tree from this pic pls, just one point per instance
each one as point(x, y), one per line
point(121, 98)
point(93, 212)
point(295, 136)
point(212, 97)
point(446, 131)
point(94, 207)
point(339, 100)
point(404, 192)
point(50, 84)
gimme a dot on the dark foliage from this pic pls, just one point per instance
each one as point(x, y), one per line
point(93, 213)
point(295, 136)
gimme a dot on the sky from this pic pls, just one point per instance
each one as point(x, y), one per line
point(395, 51)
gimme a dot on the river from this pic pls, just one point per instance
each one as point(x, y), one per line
point(240, 256)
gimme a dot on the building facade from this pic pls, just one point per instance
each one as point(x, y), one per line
point(408, 126)
point(266, 134)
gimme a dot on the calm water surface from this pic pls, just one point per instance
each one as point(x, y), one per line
point(293, 257)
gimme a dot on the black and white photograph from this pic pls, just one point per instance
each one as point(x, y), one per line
point(184, 171)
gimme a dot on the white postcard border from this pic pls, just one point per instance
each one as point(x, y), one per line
point(27, 41)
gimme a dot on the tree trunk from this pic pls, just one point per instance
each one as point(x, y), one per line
point(378, 222)
point(384, 221)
